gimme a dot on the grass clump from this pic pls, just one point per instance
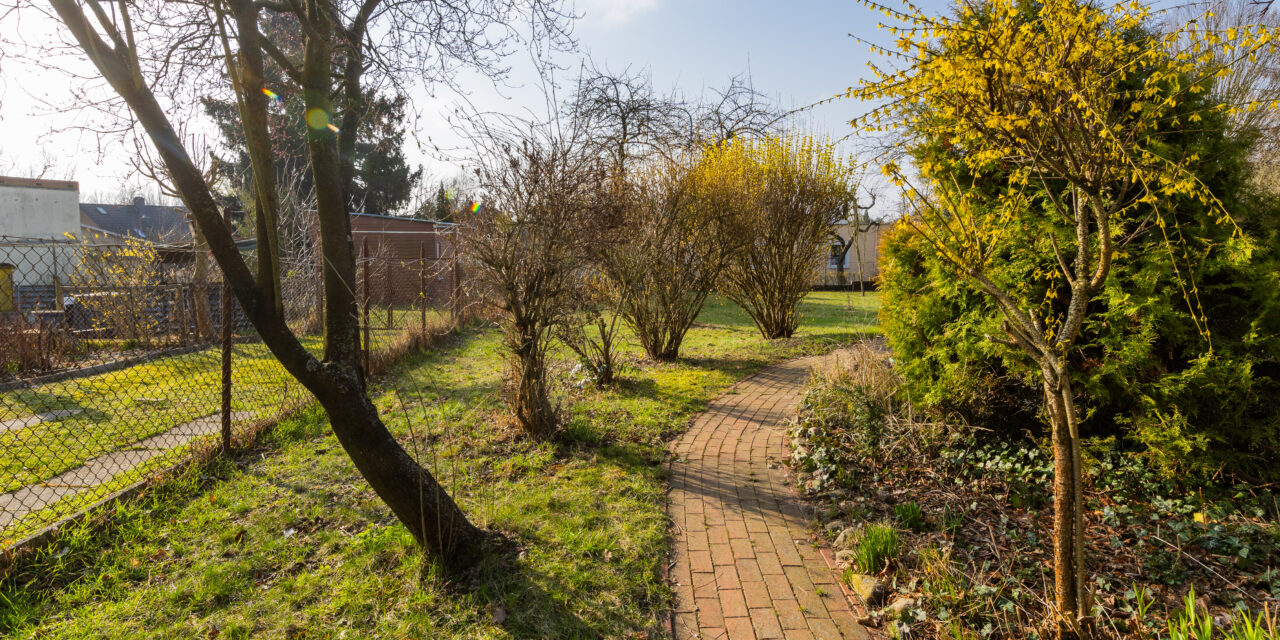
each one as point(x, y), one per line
point(1194, 623)
point(909, 515)
point(875, 548)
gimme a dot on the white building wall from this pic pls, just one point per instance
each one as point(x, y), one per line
point(37, 210)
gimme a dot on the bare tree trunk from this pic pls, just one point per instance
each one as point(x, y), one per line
point(1073, 610)
point(1078, 507)
point(862, 279)
point(532, 406)
point(257, 136)
point(1072, 596)
point(840, 259)
point(422, 505)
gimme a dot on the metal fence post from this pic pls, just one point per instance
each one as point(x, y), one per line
point(226, 354)
point(455, 297)
point(180, 316)
point(57, 277)
point(422, 283)
point(388, 274)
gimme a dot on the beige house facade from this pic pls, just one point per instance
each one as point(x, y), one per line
point(854, 255)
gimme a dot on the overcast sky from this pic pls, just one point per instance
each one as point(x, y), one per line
point(798, 52)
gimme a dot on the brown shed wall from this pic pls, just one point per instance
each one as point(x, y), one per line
point(401, 256)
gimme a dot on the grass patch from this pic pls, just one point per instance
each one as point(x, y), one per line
point(875, 548)
point(90, 416)
point(121, 407)
point(290, 542)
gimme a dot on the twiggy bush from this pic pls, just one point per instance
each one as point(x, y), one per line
point(592, 334)
point(665, 256)
point(27, 347)
point(526, 245)
point(797, 188)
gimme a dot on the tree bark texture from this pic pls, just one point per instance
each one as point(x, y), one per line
point(1072, 599)
point(532, 404)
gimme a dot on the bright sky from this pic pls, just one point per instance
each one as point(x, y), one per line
point(798, 51)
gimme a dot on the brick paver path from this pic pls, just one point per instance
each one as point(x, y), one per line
point(745, 566)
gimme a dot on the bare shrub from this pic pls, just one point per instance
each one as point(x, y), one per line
point(524, 247)
point(33, 347)
point(668, 251)
point(592, 333)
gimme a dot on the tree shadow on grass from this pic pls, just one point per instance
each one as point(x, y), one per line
point(513, 593)
point(736, 366)
point(42, 402)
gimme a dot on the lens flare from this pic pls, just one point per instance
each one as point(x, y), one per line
point(317, 119)
point(271, 94)
point(475, 207)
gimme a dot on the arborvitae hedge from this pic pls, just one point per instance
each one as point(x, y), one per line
point(1149, 376)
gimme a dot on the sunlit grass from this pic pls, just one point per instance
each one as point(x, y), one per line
point(291, 542)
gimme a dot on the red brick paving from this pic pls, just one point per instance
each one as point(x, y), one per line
point(745, 566)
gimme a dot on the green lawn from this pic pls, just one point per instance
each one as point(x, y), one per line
point(119, 408)
point(122, 407)
point(289, 542)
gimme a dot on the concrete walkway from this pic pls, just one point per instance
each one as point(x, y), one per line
point(104, 468)
point(745, 566)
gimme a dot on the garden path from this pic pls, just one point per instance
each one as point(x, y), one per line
point(745, 564)
point(104, 468)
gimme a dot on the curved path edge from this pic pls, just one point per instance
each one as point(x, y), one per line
point(744, 565)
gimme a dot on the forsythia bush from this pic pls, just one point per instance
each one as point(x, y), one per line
point(1149, 375)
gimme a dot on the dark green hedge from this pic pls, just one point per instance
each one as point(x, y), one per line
point(1147, 375)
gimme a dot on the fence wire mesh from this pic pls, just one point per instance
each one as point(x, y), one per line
point(111, 360)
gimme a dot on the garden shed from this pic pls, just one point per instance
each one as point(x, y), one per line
point(404, 256)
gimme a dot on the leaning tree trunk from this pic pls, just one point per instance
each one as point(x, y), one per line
point(411, 492)
point(414, 496)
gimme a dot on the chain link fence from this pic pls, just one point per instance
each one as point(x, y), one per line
point(119, 360)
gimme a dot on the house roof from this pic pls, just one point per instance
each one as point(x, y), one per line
point(160, 224)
